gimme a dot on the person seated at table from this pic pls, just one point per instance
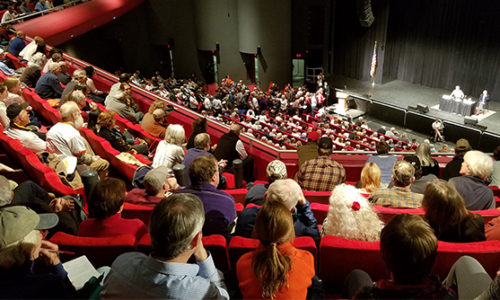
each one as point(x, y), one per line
point(107, 130)
point(457, 93)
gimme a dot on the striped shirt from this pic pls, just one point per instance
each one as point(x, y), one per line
point(396, 197)
point(320, 174)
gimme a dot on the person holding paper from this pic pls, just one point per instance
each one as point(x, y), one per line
point(21, 245)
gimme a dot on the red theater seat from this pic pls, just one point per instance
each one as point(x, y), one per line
point(215, 243)
point(318, 197)
point(101, 251)
point(320, 211)
point(339, 256)
point(387, 213)
point(240, 245)
point(135, 211)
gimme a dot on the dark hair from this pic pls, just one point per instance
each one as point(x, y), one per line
point(174, 223)
point(409, 248)
point(107, 198)
point(274, 226)
point(382, 147)
point(202, 169)
point(124, 77)
point(200, 125)
point(89, 70)
point(496, 153)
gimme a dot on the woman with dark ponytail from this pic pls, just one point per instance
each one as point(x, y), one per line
point(275, 270)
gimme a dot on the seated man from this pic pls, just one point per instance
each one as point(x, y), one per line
point(220, 210)
point(157, 185)
point(399, 196)
point(409, 248)
point(79, 77)
point(17, 44)
point(452, 169)
point(275, 170)
point(48, 85)
point(21, 247)
point(310, 149)
point(19, 119)
point(230, 147)
point(472, 185)
point(65, 140)
point(123, 104)
point(165, 273)
point(289, 193)
point(322, 173)
point(418, 186)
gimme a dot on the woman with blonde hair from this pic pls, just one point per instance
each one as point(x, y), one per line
point(170, 151)
point(370, 178)
point(351, 216)
point(429, 164)
point(276, 269)
point(445, 211)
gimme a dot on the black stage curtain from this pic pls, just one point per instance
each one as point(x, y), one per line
point(443, 43)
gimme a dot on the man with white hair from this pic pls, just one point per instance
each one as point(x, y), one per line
point(65, 140)
point(288, 192)
point(275, 170)
point(48, 85)
point(176, 236)
point(472, 185)
point(79, 77)
point(123, 104)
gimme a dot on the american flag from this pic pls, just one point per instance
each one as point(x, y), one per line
point(374, 61)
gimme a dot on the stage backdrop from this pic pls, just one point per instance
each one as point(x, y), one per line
point(434, 43)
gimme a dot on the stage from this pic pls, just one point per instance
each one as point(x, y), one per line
point(390, 102)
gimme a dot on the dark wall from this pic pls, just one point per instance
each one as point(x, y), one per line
point(445, 43)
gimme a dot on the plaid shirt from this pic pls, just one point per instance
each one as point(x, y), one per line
point(321, 174)
point(397, 198)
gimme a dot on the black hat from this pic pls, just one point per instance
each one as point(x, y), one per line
point(15, 109)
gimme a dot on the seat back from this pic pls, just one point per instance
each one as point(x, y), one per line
point(339, 256)
point(136, 211)
point(318, 197)
point(387, 213)
point(38, 172)
point(320, 211)
point(216, 244)
point(240, 245)
point(486, 252)
point(101, 251)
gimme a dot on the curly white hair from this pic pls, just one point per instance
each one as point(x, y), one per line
point(348, 220)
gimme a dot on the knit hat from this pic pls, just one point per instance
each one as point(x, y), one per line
point(16, 222)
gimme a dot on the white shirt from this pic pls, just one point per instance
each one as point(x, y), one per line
point(29, 139)
point(457, 94)
point(168, 155)
point(240, 148)
point(207, 103)
point(65, 141)
point(216, 104)
point(3, 115)
point(7, 16)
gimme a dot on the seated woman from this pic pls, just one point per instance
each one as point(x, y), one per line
point(199, 126)
point(15, 95)
point(105, 205)
point(370, 179)
point(108, 131)
point(170, 151)
point(429, 164)
point(276, 269)
point(351, 216)
point(155, 120)
point(446, 213)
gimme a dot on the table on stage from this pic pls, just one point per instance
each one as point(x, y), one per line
point(464, 107)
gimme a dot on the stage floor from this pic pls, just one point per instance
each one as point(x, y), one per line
point(403, 94)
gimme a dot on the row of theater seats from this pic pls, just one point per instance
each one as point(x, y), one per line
point(334, 259)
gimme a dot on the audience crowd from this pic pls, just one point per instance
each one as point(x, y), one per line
point(187, 177)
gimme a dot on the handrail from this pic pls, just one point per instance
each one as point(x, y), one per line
point(40, 13)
